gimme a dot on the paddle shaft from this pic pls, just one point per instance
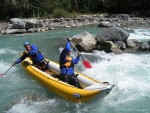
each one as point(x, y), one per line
point(86, 63)
point(8, 69)
point(76, 50)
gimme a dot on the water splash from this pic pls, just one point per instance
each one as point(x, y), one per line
point(140, 34)
point(129, 73)
point(8, 50)
point(37, 103)
point(33, 103)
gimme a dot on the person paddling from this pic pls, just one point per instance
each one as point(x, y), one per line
point(35, 55)
point(67, 65)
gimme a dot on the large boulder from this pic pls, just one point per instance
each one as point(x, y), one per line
point(108, 46)
point(34, 23)
point(113, 34)
point(15, 31)
point(84, 41)
point(105, 24)
point(17, 23)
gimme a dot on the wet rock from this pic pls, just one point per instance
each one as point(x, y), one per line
point(120, 44)
point(109, 46)
point(130, 43)
point(14, 31)
point(17, 23)
point(148, 42)
point(34, 23)
point(112, 34)
point(144, 47)
point(32, 30)
point(84, 41)
point(105, 24)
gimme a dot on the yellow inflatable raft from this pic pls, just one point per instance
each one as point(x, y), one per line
point(90, 88)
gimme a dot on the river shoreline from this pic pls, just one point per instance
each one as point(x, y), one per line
point(29, 25)
point(113, 37)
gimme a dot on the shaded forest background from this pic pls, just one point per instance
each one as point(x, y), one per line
point(70, 8)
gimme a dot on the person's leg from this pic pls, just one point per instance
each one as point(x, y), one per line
point(40, 65)
point(37, 65)
point(43, 65)
point(47, 67)
point(77, 83)
point(62, 77)
point(67, 79)
point(74, 81)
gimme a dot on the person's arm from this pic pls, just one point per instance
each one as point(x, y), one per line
point(76, 60)
point(67, 47)
point(64, 51)
point(21, 59)
point(33, 51)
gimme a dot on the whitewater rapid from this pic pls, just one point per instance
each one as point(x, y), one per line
point(130, 72)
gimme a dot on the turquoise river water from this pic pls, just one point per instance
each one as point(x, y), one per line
point(130, 72)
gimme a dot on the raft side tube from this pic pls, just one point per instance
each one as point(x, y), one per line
point(83, 81)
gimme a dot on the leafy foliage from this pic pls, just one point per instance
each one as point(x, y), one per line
point(35, 8)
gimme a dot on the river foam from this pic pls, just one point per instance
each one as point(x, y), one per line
point(130, 72)
point(140, 34)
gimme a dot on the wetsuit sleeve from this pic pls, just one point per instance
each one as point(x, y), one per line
point(21, 58)
point(76, 60)
point(34, 50)
point(64, 52)
point(67, 47)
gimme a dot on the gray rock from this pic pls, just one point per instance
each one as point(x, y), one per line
point(112, 34)
point(121, 16)
point(144, 47)
point(34, 23)
point(130, 43)
point(17, 23)
point(120, 44)
point(84, 41)
point(105, 24)
point(51, 28)
point(109, 46)
point(148, 42)
point(32, 30)
point(15, 31)
point(18, 26)
point(16, 20)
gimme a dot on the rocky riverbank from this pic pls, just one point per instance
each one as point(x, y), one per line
point(111, 39)
point(18, 25)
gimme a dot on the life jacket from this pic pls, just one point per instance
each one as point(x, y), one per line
point(68, 63)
